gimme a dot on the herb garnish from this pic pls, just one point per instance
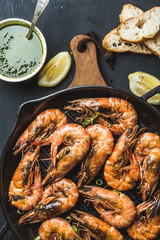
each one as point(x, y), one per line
point(19, 211)
point(41, 205)
point(69, 219)
point(37, 238)
point(115, 190)
point(75, 229)
point(90, 120)
point(99, 182)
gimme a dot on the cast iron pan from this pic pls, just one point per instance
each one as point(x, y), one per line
point(148, 118)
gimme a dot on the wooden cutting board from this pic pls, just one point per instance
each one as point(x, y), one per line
point(87, 71)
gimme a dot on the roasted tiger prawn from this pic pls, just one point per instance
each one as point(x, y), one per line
point(117, 173)
point(25, 190)
point(114, 207)
point(119, 111)
point(57, 198)
point(101, 146)
point(147, 153)
point(40, 129)
point(76, 142)
point(57, 229)
point(96, 228)
point(72, 143)
point(147, 227)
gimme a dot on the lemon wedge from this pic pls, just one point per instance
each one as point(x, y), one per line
point(140, 83)
point(55, 70)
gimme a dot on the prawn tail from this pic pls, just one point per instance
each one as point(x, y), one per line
point(53, 155)
point(81, 179)
point(37, 177)
point(48, 179)
point(51, 177)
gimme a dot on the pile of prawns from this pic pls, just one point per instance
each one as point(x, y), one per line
point(135, 156)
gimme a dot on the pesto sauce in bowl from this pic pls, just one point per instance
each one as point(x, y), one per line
point(20, 58)
point(18, 55)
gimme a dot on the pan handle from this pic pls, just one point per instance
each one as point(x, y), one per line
point(3, 230)
point(151, 93)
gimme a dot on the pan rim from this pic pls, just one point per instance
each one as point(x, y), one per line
point(80, 88)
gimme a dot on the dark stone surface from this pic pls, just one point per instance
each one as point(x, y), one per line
point(61, 21)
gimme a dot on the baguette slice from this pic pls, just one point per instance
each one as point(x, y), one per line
point(113, 43)
point(145, 26)
point(154, 44)
point(129, 11)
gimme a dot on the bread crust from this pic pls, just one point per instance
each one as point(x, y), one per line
point(124, 32)
point(120, 45)
point(122, 14)
point(112, 41)
point(123, 46)
point(154, 44)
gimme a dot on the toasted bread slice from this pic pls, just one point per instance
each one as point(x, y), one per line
point(129, 11)
point(154, 44)
point(144, 26)
point(112, 41)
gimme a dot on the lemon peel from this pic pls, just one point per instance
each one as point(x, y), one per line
point(55, 70)
point(141, 82)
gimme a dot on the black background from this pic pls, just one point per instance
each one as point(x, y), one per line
point(61, 21)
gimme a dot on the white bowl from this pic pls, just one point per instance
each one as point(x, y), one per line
point(19, 21)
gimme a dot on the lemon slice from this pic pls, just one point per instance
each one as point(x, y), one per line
point(140, 83)
point(55, 70)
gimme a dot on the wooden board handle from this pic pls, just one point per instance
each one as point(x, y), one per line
point(87, 70)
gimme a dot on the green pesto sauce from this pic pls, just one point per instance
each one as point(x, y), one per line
point(18, 55)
